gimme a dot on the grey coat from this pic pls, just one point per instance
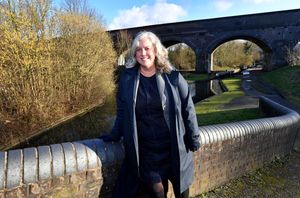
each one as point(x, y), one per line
point(179, 113)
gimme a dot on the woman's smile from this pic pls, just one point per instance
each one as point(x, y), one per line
point(145, 55)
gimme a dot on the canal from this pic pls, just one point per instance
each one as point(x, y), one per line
point(100, 119)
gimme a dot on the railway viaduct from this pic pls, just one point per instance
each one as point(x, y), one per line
point(273, 32)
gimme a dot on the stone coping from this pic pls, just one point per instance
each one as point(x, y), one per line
point(31, 165)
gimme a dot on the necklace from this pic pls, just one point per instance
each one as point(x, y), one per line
point(148, 73)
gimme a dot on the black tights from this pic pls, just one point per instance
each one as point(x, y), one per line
point(160, 189)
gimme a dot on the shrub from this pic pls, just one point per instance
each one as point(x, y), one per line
point(52, 64)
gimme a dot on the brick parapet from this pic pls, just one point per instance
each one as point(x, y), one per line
point(76, 169)
point(89, 168)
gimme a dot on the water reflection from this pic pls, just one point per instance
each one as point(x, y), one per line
point(204, 89)
point(87, 126)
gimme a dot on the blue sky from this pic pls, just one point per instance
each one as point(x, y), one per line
point(132, 13)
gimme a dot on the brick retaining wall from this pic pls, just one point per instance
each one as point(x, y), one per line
point(89, 168)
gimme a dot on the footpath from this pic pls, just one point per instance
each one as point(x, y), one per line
point(280, 178)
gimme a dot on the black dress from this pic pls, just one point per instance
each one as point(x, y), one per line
point(153, 133)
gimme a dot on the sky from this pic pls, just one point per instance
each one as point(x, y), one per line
point(118, 14)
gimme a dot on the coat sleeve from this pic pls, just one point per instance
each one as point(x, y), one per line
point(117, 129)
point(188, 115)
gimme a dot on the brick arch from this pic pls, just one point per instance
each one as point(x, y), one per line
point(261, 42)
point(292, 44)
point(169, 41)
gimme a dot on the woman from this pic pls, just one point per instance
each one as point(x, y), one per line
point(157, 120)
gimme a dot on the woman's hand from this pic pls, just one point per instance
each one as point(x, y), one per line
point(194, 146)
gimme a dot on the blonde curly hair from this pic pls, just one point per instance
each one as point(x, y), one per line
point(162, 62)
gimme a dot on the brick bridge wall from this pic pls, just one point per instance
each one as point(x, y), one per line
point(89, 168)
point(273, 32)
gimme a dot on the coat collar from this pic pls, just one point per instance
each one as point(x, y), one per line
point(161, 85)
point(164, 96)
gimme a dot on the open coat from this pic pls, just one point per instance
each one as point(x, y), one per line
point(179, 113)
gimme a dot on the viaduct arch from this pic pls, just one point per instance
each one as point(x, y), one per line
point(273, 32)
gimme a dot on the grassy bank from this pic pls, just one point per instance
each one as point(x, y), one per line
point(190, 77)
point(286, 80)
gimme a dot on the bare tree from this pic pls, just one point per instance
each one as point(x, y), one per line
point(293, 56)
point(182, 56)
point(79, 7)
point(123, 43)
point(236, 53)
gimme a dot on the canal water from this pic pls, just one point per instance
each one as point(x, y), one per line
point(99, 120)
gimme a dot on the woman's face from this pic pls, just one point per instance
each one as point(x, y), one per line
point(145, 54)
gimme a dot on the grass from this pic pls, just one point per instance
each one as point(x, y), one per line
point(191, 77)
point(264, 182)
point(220, 117)
point(286, 80)
point(210, 110)
point(214, 104)
point(224, 68)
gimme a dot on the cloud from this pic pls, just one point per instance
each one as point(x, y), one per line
point(259, 1)
point(160, 12)
point(223, 5)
